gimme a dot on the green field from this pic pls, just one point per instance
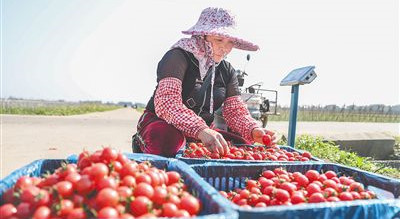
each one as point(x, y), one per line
point(330, 152)
point(57, 110)
point(320, 115)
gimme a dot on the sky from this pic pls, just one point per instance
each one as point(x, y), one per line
point(108, 50)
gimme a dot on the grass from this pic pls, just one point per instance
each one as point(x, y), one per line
point(320, 115)
point(330, 152)
point(140, 109)
point(58, 110)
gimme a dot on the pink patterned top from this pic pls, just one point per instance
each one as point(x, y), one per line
point(169, 106)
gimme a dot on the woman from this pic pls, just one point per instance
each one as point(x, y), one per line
point(194, 80)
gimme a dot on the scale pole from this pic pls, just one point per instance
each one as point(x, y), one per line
point(293, 115)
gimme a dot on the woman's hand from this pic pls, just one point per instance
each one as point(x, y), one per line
point(258, 134)
point(214, 141)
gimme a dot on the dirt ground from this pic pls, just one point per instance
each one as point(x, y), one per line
point(28, 138)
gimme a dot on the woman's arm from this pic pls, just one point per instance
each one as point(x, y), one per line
point(168, 106)
point(238, 117)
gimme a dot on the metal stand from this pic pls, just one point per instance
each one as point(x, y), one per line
point(293, 115)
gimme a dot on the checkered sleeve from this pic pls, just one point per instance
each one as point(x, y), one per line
point(238, 117)
point(168, 106)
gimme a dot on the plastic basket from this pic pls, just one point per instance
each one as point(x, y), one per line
point(191, 161)
point(229, 176)
point(210, 200)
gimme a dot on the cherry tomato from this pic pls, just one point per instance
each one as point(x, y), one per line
point(267, 140)
point(190, 204)
point(7, 211)
point(107, 198)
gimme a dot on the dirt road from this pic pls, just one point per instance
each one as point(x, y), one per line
point(28, 138)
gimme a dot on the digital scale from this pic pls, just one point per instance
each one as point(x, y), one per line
point(295, 78)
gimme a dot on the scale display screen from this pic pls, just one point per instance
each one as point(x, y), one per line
point(303, 75)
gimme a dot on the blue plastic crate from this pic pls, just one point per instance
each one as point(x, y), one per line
point(226, 177)
point(191, 161)
point(210, 199)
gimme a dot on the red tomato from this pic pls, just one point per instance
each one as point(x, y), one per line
point(174, 199)
point(7, 211)
point(126, 216)
point(29, 193)
point(108, 154)
point(23, 181)
point(106, 182)
point(77, 213)
point(124, 192)
point(328, 192)
point(290, 187)
point(306, 154)
point(190, 204)
point(357, 187)
point(73, 178)
point(268, 174)
point(264, 198)
point(108, 213)
point(264, 182)
point(43, 198)
point(107, 198)
point(244, 194)
point(297, 198)
point(312, 175)
point(99, 171)
point(160, 195)
point(65, 207)
point(282, 195)
point(355, 195)
point(141, 205)
point(267, 140)
point(345, 196)
point(169, 210)
point(365, 195)
point(330, 174)
point(84, 185)
point(78, 199)
point(251, 183)
point(173, 177)
point(129, 181)
point(143, 177)
point(316, 198)
point(144, 189)
point(64, 188)
point(302, 180)
point(24, 210)
point(330, 184)
point(260, 205)
point(269, 190)
point(313, 188)
point(333, 199)
point(182, 213)
point(322, 178)
point(43, 212)
point(129, 169)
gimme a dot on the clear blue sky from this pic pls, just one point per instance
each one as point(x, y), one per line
point(109, 49)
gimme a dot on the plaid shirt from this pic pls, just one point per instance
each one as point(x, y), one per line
point(168, 106)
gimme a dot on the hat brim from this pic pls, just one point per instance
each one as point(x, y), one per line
point(238, 41)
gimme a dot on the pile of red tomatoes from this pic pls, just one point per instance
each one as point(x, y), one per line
point(104, 184)
point(279, 187)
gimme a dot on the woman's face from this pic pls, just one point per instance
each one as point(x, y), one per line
point(221, 46)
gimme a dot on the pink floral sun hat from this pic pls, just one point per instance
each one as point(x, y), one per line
point(220, 22)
